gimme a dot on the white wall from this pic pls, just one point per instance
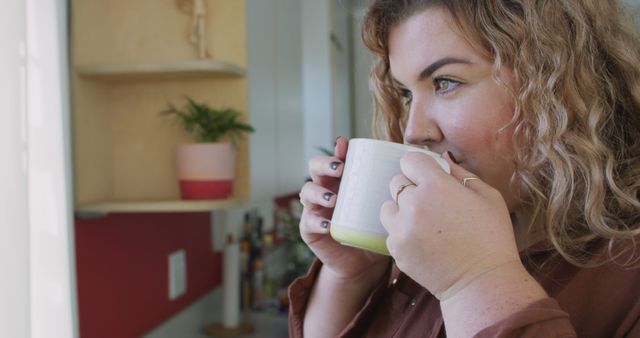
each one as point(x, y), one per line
point(317, 77)
point(275, 97)
point(635, 4)
point(52, 250)
point(341, 69)
point(36, 239)
point(14, 213)
point(361, 67)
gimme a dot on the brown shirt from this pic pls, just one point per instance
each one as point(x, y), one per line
point(592, 302)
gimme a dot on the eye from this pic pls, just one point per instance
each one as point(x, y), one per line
point(407, 96)
point(444, 85)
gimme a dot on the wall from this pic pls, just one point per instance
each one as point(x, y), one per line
point(51, 264)
point(362, 60)
point(14, 212)
point(317, 77)
point(275, 97)
point(634, 4)
point(36, 247)
point(122, 270)
point(341, 68)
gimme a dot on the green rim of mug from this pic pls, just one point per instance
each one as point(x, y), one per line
point(359, 239)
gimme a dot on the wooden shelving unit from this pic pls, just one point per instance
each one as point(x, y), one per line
point(130, 60)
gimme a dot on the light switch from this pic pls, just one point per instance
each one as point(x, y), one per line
point(177, 274)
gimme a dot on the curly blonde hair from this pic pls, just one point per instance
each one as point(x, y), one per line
point(577, 110)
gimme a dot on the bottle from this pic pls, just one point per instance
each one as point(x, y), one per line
point(267, 242)
point(245, 276)
point(244, 256)
point(267, 288)
point(247, 227)
point(256, 240)
point(258, 282)
point(257, 232)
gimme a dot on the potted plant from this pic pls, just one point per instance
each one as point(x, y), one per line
point(206, 169)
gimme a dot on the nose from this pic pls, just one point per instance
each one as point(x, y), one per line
point(422, 128)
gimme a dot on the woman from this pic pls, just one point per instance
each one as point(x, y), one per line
point(536, 107)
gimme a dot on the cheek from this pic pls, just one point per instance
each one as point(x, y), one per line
point(476, 128)
point(487, 116)
point(477, 132)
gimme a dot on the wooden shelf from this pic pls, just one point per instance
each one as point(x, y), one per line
point(158, 206)
point(174, 70)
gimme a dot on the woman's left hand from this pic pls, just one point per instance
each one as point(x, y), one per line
point(442, 234)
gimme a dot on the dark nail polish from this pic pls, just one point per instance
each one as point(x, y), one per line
point(452, 157)
point(335, 143)
point(327, 196)
point(335, 165)
point(324, 224)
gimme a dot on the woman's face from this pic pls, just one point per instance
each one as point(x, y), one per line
point(453, 100)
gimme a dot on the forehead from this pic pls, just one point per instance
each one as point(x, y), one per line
point(427, 36)
point(432, 19)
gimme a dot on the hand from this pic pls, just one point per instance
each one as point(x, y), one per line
point(442, 234)
point(319, 198)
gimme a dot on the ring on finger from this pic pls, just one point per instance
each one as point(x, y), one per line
point(401, 189)
point(470, 178)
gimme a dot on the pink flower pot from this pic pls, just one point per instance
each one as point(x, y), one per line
point(206, 170)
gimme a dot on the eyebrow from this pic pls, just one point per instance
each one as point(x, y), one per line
point(429, 70)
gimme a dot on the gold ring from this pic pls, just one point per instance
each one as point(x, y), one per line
point(465, 179)
point(401, 188)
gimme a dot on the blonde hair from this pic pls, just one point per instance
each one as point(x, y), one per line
point(577, 110)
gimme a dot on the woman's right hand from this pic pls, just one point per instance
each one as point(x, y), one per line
point(319, 198)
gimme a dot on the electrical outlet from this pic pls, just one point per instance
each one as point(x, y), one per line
point(177, 274)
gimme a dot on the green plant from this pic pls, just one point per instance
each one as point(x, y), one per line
point(207, 124)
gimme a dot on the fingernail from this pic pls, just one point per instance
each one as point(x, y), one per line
point(324, 224)
point(327, 196)
point(335, 165)
point(335, 143)
point(452, 157)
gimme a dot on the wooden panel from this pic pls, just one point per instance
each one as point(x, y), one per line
point(152, 31)
point(91, 141)
point(158, 206)
point(144, 142)
point(123, 149)
point(155, 71)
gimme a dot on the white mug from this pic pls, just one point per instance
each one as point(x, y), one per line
point(369, 167)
